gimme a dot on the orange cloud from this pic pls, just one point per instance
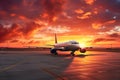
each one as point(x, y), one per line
point(90, 2)
point(20, 32)
point(22, 17)
point(99, 25)
point(79, 11)
point(54, 18)
point(103, 40)
point(30, 29)
point(13, 14)
point(95, 11)
point(53, 8)
point(45, 15)
point(66, 15)
point(14, 41)
point(96, 25)
point(110, 22)
point(58, 29)
point(85, 16)
point(9, 33)
point(34, 42)
point(38, 21)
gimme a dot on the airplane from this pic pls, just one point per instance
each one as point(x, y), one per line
point(66, 46)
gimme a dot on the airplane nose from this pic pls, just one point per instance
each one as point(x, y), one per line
point(78, 46)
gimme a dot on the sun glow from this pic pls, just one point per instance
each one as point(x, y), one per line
point(83, 45)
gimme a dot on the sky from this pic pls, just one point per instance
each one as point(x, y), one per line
point(34, 22)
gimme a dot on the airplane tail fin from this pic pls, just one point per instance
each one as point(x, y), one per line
point(55, 38)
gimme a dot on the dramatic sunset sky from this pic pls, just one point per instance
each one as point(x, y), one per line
point(34, 22)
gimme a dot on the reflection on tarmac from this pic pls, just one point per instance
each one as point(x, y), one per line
point(41, 65)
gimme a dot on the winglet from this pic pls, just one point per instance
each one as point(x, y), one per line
point(55, 38)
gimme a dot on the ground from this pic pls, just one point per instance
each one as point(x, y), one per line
point(41, 65)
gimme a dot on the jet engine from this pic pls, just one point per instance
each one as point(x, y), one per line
point(53, 51)
point(82, 50)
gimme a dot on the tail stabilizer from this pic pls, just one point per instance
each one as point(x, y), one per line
point(56, 38)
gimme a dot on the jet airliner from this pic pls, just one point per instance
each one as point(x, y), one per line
point(66, 46)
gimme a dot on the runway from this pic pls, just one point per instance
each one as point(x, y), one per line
point(41, 65)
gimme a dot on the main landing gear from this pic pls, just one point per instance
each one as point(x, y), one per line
point(72, 53)
point(54, 52)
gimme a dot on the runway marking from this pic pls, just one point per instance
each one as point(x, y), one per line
point(54, 74)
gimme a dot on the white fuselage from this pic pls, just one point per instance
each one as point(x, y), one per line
point(67, 46)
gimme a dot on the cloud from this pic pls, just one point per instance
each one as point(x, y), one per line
point(64, 14)
point(85, 15)
point(115, 35)
point(79, 11)
point(115, 29)
point(34, 42)
point(25, 19)
point(14, 41)
point(110, 22)
point(99, 25)
point(30, 9)
point(90, 2)
point(97, 40)
point(8, 33)
point(53, 8)
point(112, 5)
point(58, 29)
point(30, 29)
point(96, 25)
point(18, 31)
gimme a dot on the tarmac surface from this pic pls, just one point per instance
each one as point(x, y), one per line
point(41, 65)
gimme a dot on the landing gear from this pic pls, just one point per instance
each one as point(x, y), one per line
point(54, 51)
point(72, 53)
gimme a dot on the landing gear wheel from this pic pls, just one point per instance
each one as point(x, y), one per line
point(72, 53)
point(55, 53)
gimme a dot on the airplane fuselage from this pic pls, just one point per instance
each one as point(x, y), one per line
point(67, 46)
